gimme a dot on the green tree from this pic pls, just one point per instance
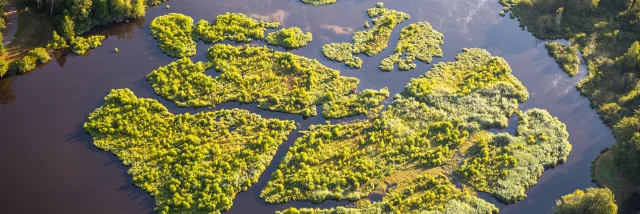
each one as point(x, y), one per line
point(67, 28)
point(593, 201)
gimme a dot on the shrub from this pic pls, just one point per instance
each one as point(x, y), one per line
point(593, 201)
point(80, 44)
point(232, 26)
point(30, 60)
point(289, 38)
point(57, 42)
point(173, 32)
point(566, 56)
point(319, 2)
point(4, 67)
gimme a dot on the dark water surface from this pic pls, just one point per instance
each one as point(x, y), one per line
point(49, 165)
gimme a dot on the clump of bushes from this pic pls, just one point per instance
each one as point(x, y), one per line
point(565, 55)
point(173, 32)
point(417, 41)
point(365, 102)
point(594, 201)
point(4, 67)
point(289, 38)
point(33, 57)
point(319, 2)
point(188, 163)
point(232, 26)
point(369, 42)
point(278, 81)
point(80, 44)
point(57, 42)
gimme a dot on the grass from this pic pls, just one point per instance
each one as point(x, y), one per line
point(607, 176)
point(34, 30)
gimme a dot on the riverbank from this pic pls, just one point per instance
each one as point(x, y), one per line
point(606, 175)
point(32, 29)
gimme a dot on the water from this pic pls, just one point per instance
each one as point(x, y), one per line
point(50, 164)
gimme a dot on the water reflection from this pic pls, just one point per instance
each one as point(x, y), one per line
point(6, 94)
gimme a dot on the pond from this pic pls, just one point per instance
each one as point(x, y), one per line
point(50, 163)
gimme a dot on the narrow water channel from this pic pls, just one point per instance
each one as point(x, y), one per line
point(51, 166)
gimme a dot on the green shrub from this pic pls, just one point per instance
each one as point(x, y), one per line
point(57, 42)
point(188, 163)
point(80, 45)
point(289, 38)
point(319, 2)
point(593, 201)
point(370, 42)
point(4, 67)
point(365, 102)
point(31, 59)
point(173, 32)
point(278, 81)
point(566, 56)
point(232, 26)
point(417, 41)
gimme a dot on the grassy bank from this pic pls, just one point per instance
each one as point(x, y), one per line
point(606, 175)
point(34, 30)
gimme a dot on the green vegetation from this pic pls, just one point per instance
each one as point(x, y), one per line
point(417, 41)
point(593, 201)
point(188, 163)
point(369, 42)
point(278, 81)
point(173, 32)
point(435, 127)
point(80, 44)
point(116, 50)
point(289, 38)
point(366, 102)
point(232, 26)
point(427, 193)
point(566, 56)
point(4, 67)
point(319, 2)
point(607, 33)
point(29, 61)
point(505, 166)
point(606, 175)
point(57, 42)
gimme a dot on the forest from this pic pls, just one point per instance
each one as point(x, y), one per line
point(418, 41)
point(607, 34)
point(369, 42)
point(436, 127)
point(188, 163)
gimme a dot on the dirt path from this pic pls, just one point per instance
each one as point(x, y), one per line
point(11, 15)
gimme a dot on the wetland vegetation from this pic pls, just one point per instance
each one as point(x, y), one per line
point(292, 37)
point(607, 33)
point(188, 163)
point(418, 41)
point(369, 42)
point(565, 55)
point(427, 130)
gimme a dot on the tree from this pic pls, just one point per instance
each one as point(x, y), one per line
point(67, 27)
point(593, 201)
point(631, 59)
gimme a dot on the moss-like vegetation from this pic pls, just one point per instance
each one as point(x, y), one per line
point(173, 32)
point(57, 42)
point(438, 122)
point(365, 102)
point(278, 81)
point(319, 2)
point(232, 26)
point(32, 58)
point(565, 55)
point(418, 41)
point(425, 194)
point(369, 42)
point(505, 166)
point(80, 44)
point(188, 163)
point(289, 38)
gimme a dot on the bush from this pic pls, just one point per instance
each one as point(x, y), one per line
point(232, 26)
point(366, 102)
point(593, 201)
point(31, 59)
point(173, 32)
point(289, 38)
point(80, 45)
point(4, 67)
point(57, 42)
point(566, 56)
point(319, 2)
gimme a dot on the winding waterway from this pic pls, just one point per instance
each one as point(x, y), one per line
point(49, 165)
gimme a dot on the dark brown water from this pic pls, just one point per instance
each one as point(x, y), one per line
point(49, 164)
